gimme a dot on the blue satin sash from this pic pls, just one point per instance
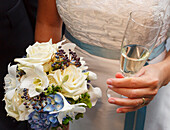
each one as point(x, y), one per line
point(108, 53)
point(133, 120)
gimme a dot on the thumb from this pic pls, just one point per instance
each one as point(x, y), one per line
point(140, 72)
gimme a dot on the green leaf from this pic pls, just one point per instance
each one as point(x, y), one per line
point(58, 88)
point(50, 89)
point(71, 101)
point(66, 120)
point(85, 98)
point(79, 115)
point(53, 128)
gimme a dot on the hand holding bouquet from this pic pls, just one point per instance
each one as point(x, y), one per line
point(50, 86)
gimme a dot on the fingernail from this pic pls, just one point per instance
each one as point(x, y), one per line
point(112, 101)
point(109, 81)
point(110, 86)
point(119, 111)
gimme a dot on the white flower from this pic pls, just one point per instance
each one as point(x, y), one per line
point(71, 46)
point(13, 107)
point(39, 53)
point(11, 82)
point(70, 110)
point(92, 75)
point(95, 94)
point(24, 112)
point(83, 64)
point(65, 47)
point(35, 80)
point(76, 83)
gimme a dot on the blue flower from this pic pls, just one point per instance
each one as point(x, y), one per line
point(49, 108)
point(59, 106)
point(52, 118)
point(48, 100)
point(58, 98)
point(44, 115)
point(39, 120)
point(54, 102)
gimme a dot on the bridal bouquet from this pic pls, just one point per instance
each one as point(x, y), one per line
point(50, 86)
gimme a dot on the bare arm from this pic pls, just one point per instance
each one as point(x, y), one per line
point(49, 23)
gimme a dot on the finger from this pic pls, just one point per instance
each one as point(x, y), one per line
point(119, 75)
point(131, 82)
point(127, 109)
point(128, 102)
point(135, 93)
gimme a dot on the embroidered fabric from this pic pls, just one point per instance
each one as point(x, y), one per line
point(103, 22)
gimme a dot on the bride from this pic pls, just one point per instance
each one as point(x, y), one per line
point(96, 26)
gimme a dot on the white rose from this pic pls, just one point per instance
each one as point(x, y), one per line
point(15, 108)
point(35, 80)
point(12, 105)
point(39, 53)
point(76, 83)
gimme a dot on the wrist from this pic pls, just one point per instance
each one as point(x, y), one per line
point(164, 68)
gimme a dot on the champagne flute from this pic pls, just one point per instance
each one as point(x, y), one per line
point(140, 37)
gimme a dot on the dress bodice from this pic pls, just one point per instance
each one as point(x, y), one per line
point(103, 22)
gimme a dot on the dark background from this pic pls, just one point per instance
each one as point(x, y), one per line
point(17, 25)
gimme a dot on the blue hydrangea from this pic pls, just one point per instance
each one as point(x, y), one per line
point(41, 121)
point(40, 118)
point(54, 103)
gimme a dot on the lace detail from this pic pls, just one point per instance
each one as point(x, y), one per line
point(102, 22)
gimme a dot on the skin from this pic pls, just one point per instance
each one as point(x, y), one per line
point(144, 85)
point(49, 23)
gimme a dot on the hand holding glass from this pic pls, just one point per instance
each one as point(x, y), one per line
point(140, 37)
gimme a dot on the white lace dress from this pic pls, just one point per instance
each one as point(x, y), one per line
point(102, 23)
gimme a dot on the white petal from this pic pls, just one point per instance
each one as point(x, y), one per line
point(12, 70)
point(32, 92)
point(56, 45)
point(92, 75)
point(69, 107)
point(9, 94)
point(30, 61)
point(26, 83)
point(68, 46)
point(79, 109)
point(94, 93)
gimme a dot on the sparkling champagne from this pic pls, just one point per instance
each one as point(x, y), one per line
point(133, 58)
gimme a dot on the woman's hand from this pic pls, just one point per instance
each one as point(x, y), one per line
point(139, 90)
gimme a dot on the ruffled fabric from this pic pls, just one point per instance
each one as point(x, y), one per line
point(103, 22)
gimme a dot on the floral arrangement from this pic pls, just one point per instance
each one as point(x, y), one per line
point(50, 86)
